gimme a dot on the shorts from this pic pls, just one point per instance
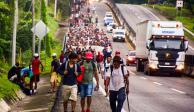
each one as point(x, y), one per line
point(35, 78)
point(53, 77)
point(70, 92)
point(86, 90)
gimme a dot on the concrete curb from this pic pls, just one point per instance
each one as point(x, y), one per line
point(5, 103)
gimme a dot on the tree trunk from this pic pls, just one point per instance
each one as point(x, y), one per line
point(15, 32)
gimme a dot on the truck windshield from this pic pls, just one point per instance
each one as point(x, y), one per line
point(119, 33)
point(167, 44)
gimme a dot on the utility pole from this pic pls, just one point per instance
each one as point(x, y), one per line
point(15, 32)
point(39, 41)
point(33, 23)
point(55, 11)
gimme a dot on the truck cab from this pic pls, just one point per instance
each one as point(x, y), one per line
point(164, 47)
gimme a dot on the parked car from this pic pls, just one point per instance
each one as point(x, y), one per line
point(131, 58)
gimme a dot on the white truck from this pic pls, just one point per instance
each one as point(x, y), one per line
point(160, 47)
point(118, 34)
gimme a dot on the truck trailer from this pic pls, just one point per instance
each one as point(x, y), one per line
point(160, 47)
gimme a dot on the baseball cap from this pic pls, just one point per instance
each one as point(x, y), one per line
point(36, 55)
point(89, 55)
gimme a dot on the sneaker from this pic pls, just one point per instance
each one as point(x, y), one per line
point(30, 92)
point(35, 91)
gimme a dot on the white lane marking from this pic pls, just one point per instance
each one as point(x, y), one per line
point(151, 13)
point(158, 83)
point(132, 73)
point(143, 78)
point(35, 110)
point(104, 93)
point(178, 91)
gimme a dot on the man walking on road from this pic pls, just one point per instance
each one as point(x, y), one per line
point(117, 80)
point(87, 81)
point(69, 72)
point(54, 66)
point(36, 70)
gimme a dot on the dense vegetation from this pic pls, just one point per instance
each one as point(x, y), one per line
point(24, 35)
point(168, 9)
point(189, 4)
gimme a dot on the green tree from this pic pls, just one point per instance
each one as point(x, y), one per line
point(48, 37)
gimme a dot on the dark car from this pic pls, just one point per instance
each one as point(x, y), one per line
point(131, 58)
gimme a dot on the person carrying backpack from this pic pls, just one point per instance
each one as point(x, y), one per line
point(27, 72)
point(117, 53)
point(15, 70)
point(90, 71)
point(118, 84)
point(99, 60)
point(69, 71)
point(105, 69)
point(53, 78)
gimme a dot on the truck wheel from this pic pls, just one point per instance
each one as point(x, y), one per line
point(188, 70)
point(150, 72)
point(146, 68)
point(137, 66)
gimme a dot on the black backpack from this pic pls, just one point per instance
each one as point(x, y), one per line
point(122, 69)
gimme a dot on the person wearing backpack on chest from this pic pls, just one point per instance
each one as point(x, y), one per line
point(117, 83)
point(69, 72)
point(105, 69)
point(87, 81)
point(53, 78)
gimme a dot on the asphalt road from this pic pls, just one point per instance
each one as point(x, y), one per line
point(151, 93)
point(136, 14)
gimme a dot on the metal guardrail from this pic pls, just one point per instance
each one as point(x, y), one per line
point(122, 21)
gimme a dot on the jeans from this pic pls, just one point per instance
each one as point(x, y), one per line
point(119, 97)
point(86, 90)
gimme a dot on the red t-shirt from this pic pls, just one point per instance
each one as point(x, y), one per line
point(36, 66)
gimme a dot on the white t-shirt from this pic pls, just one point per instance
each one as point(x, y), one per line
point(117, 79)
point(104, 68)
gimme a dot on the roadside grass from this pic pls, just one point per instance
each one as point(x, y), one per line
point(7, 88)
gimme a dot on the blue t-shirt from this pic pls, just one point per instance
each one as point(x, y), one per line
point(69, 78)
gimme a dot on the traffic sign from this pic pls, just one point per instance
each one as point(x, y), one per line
point(179, 3)
point(40, 29)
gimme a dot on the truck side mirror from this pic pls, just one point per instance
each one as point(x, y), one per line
point(148, 44)
point(186, 44)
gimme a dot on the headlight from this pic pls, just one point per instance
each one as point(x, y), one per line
point(152, 66)
point(130, 58)
point(180, 67)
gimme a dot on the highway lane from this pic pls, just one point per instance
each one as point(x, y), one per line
point(153, 93)
point(181, 85)
point(136, 14)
